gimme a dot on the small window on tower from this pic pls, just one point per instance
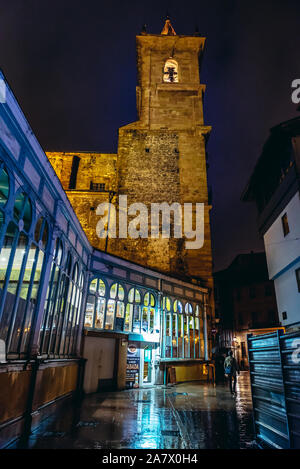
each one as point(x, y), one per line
point(171, 71)
point(97, 187)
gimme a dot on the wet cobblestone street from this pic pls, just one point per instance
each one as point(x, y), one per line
point(189, 415)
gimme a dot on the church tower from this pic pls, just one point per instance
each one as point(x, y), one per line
point(162, 156)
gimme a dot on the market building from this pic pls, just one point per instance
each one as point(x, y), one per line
point(74, 315)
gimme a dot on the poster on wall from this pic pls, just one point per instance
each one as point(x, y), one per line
point(133, 366)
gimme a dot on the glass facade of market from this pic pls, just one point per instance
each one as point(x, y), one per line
point(178, 325)
point(25, 251)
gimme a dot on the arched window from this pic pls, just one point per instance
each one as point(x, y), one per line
point(148, 316)
point(170, 73)
point(133, 311)
point(95, 307)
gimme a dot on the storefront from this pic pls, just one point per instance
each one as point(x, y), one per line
point(159, 330)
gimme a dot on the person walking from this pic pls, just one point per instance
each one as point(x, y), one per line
point(231, 369)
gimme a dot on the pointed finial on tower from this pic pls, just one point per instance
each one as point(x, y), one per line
point(144, 29)
point(168, 29)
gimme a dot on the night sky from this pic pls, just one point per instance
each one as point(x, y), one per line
point(72, 67)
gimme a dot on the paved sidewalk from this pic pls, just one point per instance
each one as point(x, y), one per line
point(190, 415)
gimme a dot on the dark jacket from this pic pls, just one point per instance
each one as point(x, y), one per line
point(231, 361)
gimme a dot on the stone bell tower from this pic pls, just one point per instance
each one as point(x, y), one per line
point(162, 156)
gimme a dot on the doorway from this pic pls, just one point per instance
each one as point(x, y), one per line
point(146, 372)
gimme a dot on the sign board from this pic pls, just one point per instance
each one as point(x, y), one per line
point(133, 366)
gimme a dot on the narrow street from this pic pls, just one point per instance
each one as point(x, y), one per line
point(190, 415)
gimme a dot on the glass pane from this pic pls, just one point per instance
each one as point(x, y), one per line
point(17, 264)
point(45, 235)
point(191, 333)
point(119, 323)
point(113, 290)
point(27, 216)
point(89, 311)
point(174, 335)
point(131, 295)
point(18, 206)
point(93, 286)
point(121, 292)
point(180, 336)
point(188, 308)
point(197, 337)
point(152, 303)
point(167, 304)
point(110, 313)
point(101, 288)
point(137, 296)
point(128, 318)
point(69, 264)
point(136, 319)
point(4, 187)
point(32, 303)
point(2, 218)
point(59, 252)
point(152, 315)
point(145, 320)
point(100, 309)
point(75, 273)
point(120, 309)
point(21, 309)
point(6, 251)
point(186, 338)
point(49, 308)
point(38, 227)
point(64, 308)
point(177, 306)
point(146, 299)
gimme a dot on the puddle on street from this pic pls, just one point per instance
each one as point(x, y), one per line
point(189, 415)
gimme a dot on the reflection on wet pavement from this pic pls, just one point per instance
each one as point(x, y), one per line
point(189, 415)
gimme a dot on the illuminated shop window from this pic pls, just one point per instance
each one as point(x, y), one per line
point(4, 191)
point(178, 310)
point(148, 316)
point(95, 307)
point(50, 306)
point(170, 74)
point(167, 329)
point(188, 331)
point(61, 320)
point(177, 330)
point(21, 267)
point(133, 311)
point(115, 308)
